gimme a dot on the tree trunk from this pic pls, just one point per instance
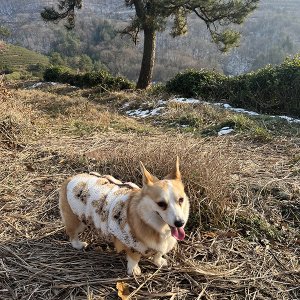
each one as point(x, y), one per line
point(148, 58)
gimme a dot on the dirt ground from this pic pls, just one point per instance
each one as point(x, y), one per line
point(253, 255)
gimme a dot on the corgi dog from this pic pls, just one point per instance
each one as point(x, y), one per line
point(145, 221)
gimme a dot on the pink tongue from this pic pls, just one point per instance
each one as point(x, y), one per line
point(178, 233)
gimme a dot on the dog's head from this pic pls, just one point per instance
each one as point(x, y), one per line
point(167, 199)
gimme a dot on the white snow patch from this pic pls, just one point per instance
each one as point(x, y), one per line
point(140, 113)
point(253, 113)
point(244, 111)
point(143, 113)
point(36, 85)
point(236, 109)
point(41, 83)
point(225, 130)
point(156, 111)
point(289, 119)
point(125, 105)
point(162, 102)
point(47, 83)
point(227, 106)
point(186, 100)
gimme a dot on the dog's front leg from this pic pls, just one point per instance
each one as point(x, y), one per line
point(159, 260)
point(133, 259)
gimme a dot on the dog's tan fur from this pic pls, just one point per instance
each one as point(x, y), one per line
point(157, 240)
point(72, 223)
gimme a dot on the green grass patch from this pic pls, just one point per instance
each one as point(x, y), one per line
point(18, 59)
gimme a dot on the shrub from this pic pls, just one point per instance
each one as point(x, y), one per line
point(273, 89)
point(102, 78)
point(203, 83)
point(13, 76)
point(6, 70)
point(55, 73)
point(36, 69)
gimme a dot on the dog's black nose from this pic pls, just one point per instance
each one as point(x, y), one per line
point(178, 223)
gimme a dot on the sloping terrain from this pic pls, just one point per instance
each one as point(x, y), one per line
point(243, 232)
point(18, 58)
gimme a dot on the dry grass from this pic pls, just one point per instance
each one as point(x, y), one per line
point(250, 191)
point(207, 168)
point(206, 120)
point(194, 116)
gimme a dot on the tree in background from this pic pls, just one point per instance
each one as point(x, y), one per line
point(151, 16)
point(85, 64)
point(4, 32)
point(55, 59)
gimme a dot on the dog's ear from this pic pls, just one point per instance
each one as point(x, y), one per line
point(148, 178)
point(175, 173)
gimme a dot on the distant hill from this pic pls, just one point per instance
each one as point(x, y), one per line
point(269, 35)
point(18, 58)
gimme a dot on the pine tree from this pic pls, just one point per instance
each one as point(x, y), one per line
point(151, 16)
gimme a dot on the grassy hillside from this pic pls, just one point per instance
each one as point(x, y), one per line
point(18, 58)
point(243, 232)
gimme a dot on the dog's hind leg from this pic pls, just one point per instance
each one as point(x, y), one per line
point(73, 231)
point(72, 223)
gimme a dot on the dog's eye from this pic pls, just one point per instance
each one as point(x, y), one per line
point(180, 200)
point(162, 204)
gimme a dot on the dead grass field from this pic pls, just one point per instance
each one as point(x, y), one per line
point(243, 235)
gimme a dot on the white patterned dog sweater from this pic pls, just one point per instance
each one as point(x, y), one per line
point(103, 202)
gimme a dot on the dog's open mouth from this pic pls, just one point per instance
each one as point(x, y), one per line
point(178, 233)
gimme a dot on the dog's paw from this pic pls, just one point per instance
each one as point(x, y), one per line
point(135, 271)
point(79, 245)
point(160, 262)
